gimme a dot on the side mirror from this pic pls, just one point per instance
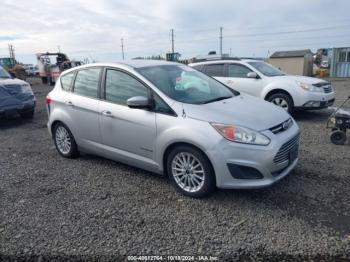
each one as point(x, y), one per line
point(252, 75)
point(139, 102)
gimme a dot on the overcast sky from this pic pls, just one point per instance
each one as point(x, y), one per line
point(93, 28)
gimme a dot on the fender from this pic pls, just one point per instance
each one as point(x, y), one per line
point(182, 134)
point(60, 115)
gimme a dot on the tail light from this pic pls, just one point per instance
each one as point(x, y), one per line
point(48, 100)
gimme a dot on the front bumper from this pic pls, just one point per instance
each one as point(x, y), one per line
point(259, 158)
point(19, 108)
point(314, 101)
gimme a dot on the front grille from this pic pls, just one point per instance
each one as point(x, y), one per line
point(283, 153)
point(282, 126)
point(327, 88)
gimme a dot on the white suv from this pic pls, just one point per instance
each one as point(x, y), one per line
point(260, 79)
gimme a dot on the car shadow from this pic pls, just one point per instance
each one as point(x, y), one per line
point(13, 122)
point(316, 115)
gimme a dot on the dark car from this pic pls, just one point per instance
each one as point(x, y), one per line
point(16, 96)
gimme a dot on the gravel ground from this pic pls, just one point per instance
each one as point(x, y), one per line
point(91, 208)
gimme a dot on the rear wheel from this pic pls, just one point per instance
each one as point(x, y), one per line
point(190, 171)
point(282, 100)
point(64, 141)
point(338, 137)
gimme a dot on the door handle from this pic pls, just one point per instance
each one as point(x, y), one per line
point(107, 113)
point(69, 103)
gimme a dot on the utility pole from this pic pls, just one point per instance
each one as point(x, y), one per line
point(172, 41)
point(12, 54)
point(221, 41)
point(122, 45)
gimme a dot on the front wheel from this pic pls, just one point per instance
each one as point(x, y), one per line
point(282, 100)
point(64, 141)
point(190, 171)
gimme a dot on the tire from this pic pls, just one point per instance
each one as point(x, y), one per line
point(338, 137)
point(198, 182)
point(51, 82)
point(64, 141)
point(28, 114)
point(282, 100)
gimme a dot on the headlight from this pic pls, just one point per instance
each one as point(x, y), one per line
point(309, 88)
point(26, 88)
point(241, 134)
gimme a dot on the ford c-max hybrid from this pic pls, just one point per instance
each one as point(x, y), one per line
point(171, 119)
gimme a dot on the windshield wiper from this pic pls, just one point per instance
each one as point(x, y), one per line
point(216, 99)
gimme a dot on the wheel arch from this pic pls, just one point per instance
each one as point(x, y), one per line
point(279, 91)
point(171, 146)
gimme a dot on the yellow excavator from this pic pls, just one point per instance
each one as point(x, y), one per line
point(13, 67)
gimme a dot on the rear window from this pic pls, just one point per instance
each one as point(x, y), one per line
point(86, 82)
point(66, 81)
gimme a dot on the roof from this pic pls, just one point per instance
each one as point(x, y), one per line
point(127, 64)
point(226, 61)
point(137, 63)
point(294, 53)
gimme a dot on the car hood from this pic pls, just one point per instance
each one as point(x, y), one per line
point(11, 81)
point(304, 79)
point(243, 110)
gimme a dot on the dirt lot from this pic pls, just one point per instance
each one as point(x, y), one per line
point(93, 208)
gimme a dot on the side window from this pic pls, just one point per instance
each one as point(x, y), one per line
point(198, 67)
point(161, 106)
point(86, 82)
point(215, 70)
point(120, 87)
point(66, 81)
point(235, 70)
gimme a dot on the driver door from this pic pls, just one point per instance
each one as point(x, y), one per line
point(238, 80)
point(128, 134)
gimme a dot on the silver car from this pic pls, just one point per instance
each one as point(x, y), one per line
point(171, 119)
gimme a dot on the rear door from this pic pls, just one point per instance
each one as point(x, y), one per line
point(238, 80)
point(83, 107)
point(128, 134)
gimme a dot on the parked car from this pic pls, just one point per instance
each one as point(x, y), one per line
point(30, 69)
point(16, 96)
point(171, 119)
point(261, 79)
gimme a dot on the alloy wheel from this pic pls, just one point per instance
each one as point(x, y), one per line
point(188, 172)
point(278, 101)
point(63, 140)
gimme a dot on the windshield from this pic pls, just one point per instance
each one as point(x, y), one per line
point(266, 69)
point(3, 73)
point(184, 84)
